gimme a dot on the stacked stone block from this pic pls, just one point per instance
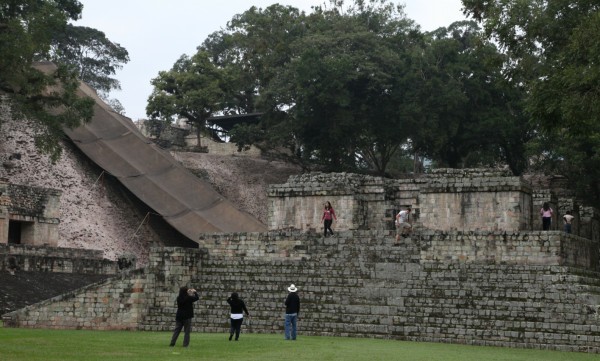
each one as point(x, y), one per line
point(163, 134)
point(360, 202)
point(448, 199)
point(357, 285)
point(53, 259)
point(589, 221)
point(116, 304)
point(37, 208)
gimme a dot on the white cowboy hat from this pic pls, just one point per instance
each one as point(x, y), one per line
point(292, 288)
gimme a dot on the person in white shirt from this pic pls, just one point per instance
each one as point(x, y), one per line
point(403, 225)
point(568, 218)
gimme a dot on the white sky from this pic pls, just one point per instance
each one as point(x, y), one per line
point(157, 32)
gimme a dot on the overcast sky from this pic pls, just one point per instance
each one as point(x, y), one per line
point(157, 32)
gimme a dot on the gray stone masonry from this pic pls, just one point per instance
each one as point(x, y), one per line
point(357, 284)
point(33, 211)
point(447, 199)
point(120, 303)
point(589, 220)
point(54, 259)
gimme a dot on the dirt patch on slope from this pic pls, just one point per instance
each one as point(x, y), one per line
point(242, 180)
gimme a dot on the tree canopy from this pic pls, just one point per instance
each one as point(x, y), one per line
point(469, 113)
point(352, 85)
point(553, 52)
point(95, 58)
point(192, 89)
point(26, 31)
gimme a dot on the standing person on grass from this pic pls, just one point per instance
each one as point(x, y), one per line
point(237, 316)
point(185, 313)
point(328, 216)
point(292, 309)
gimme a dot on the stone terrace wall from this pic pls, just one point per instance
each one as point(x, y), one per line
point(39, 207)
point(589, 223)
point(163, 134)
point(360, 202)
point(54, 259)
point(115, 304)
point(223, 148)
point(357, 285)
point(483, 200)
point(120, 303)
point(533, 247)
point(542, 248)
point(447, 199)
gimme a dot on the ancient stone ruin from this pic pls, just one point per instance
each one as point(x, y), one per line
point(477, 270)
point(29, 215)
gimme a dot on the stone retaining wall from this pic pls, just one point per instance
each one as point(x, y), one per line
point(120, 303)
point(29, 215)
point(54, 259)
point(168, 136)
point(358, 285)
point(447, 199)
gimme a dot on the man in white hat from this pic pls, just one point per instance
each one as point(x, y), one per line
point(292, 308)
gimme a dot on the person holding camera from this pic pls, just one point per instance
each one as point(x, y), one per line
point(185, 313)
point(237, 315)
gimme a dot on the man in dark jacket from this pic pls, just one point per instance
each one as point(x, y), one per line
point(292, 308)
point(185, 312)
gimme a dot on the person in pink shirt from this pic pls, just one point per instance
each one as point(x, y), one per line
point(328, 216)
point(546, 213)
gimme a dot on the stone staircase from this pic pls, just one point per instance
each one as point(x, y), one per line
point(356, 284)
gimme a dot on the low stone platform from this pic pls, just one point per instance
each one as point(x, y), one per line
point(357, 284)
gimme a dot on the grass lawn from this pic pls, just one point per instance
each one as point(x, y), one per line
point(34, 344)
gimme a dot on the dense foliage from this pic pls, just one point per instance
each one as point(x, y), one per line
point(95, 58)
point(26, 30)
point(554, 53)
point(353, 86)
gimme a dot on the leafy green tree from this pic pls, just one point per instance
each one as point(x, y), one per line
point(350, 85)
point(26, 30)
point(353, 85)
point(192, 89)
point(553, 52)
point(92, 54)
point(253, 49)
point(470, 114)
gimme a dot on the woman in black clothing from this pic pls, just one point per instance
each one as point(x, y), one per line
point(185, 312)
point(237, 315)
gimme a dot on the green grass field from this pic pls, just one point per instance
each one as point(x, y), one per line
point(33, 344)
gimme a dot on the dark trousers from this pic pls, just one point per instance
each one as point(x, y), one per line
point(187, 327)
point(236, 326)
point(327, 226)
point(546, 221)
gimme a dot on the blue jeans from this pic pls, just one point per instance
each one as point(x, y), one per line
point(568, 228)
point(290, 319)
